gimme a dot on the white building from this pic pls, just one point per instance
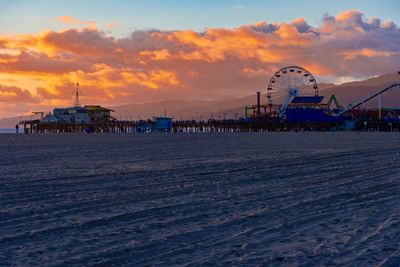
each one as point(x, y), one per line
point(79, 115)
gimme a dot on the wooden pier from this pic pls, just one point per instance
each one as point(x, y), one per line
point(210, 126)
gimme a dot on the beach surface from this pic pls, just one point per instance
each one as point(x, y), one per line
point(200, 199)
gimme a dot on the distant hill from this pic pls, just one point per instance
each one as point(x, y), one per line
point(351, 92)
point(346, 93)
point(11, 122)
point(186, 109)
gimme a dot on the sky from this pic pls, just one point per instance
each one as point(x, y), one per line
point(124, 52)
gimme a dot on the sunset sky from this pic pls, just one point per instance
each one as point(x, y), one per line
point(142, 51)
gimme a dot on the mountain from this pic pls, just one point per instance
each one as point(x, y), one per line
point(351, 92)
point(346, 93)
point(186, 109)
point(11, 122)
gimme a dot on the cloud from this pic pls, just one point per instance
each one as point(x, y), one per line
point(12, 94)
point(111, 25)
point(301, 25)
point(74, 21)
point(155, 65)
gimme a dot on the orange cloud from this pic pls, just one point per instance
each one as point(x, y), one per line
point(348, 14)
point(14, 94)
point(111, 25)
point(157, 55)
point(353, 54)
point(71, 20)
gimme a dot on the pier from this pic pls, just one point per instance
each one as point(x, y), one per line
point(209, 126)
point(302, 110)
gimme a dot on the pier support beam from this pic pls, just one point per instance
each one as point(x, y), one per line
point(380, 106)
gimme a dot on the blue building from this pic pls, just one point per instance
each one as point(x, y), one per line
point(163, 124)
point(308, 109)
point(158, 124)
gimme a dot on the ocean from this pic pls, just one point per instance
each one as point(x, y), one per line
point(237, 199)
point(10, 130)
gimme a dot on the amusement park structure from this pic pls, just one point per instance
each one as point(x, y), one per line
point(377, 94)
point(293, 100)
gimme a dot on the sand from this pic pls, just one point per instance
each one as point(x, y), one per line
point(200, 199)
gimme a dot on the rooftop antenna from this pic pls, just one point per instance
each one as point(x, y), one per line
point(77, 104)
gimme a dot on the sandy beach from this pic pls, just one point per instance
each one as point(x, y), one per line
point(200, 199)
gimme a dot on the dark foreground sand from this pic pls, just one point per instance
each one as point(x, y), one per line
point(234, 199)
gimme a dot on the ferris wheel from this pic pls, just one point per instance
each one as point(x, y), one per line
point(290, 82)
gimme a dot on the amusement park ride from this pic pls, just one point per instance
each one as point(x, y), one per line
point(297, 91)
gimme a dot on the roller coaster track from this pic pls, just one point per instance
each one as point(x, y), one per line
point(359, 103)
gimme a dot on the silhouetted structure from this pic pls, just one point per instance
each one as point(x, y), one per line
point(302, 110)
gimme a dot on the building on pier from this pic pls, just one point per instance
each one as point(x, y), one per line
point(79, 115)
point(163, 124)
